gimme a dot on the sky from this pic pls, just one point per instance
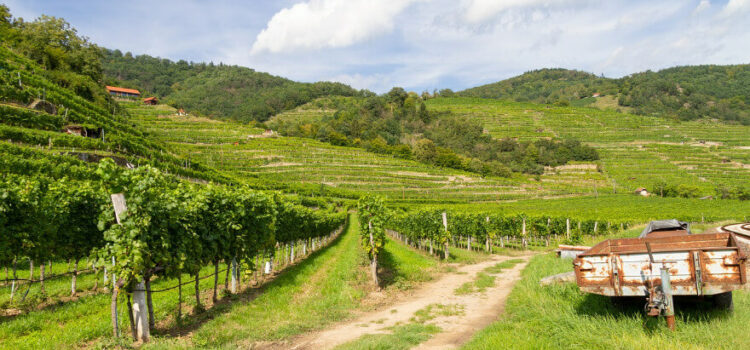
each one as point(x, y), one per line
point(416, 44)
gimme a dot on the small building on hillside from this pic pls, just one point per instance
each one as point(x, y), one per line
point(123, 92)
point(80, 130)
point(642, 192)
point(596, 94)
point(181, 112)
point(151, 101)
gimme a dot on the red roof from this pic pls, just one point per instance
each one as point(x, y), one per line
point(122, 90)
point(149, 99)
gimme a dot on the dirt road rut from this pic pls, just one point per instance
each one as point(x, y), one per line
point(479, 310)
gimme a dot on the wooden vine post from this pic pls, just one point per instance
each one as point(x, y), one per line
point(487, 239)
point(140, 307)
point(372, 217)
point(445, 227)
point(523, 233)
point(374, 259)
point(118, 201)
point(234, 275)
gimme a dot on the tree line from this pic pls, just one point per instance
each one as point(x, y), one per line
point(685, 93)
point(215, 90)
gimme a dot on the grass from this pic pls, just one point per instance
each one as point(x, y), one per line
point(561, 317)
point(86, 319)
point(401, 267)
point(463, 256)
point(55, 289)
point(402, 338)
point(320, 290)
point(408, 335)
point(478, 285)
point(432, 311)
point(499, 267)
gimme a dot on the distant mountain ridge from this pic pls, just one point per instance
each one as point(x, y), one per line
point(218, 91)
point(688, 92)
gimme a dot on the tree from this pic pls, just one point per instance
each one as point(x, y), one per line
point(446, 93)
point(424, 116)
point(337, 139)
point(425, 151)
point(397, 96)
point(53, 43)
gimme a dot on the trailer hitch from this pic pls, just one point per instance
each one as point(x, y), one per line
point(660, 302)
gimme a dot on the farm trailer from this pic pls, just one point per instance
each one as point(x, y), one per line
point(667, 262)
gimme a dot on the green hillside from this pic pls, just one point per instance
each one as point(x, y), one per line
point(686, 93)
point(304, 165)
point(67, 131)
point(219, 91)
point(309, 166)
point(703, 157)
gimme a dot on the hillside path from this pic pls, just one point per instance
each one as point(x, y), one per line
point(479, 310)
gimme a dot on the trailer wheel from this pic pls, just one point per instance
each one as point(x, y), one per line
point(724, 301)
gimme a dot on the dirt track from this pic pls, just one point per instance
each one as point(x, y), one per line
point(480, 309)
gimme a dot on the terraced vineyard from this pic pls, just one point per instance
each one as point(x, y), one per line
point(45, 126)
point(636, 151)
point(268, 159)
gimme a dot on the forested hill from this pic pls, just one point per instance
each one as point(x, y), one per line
point(218, 91)
point(545, 86)
point(690, 92)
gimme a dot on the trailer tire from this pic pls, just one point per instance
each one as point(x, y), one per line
point(724, 301)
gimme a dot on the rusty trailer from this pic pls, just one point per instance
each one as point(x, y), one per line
point(663, 263)
point(742, 234)
point(702, 264)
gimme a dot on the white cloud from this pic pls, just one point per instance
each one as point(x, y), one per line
point(434, 45)
point(320, 24)
point(478, 11)
point(702, 6)
point(736, 7)
point(419, 44)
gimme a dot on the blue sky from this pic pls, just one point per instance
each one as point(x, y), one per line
point(416, 44)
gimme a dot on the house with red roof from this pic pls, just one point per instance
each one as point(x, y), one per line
point(123, 92)
point(151, 101)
